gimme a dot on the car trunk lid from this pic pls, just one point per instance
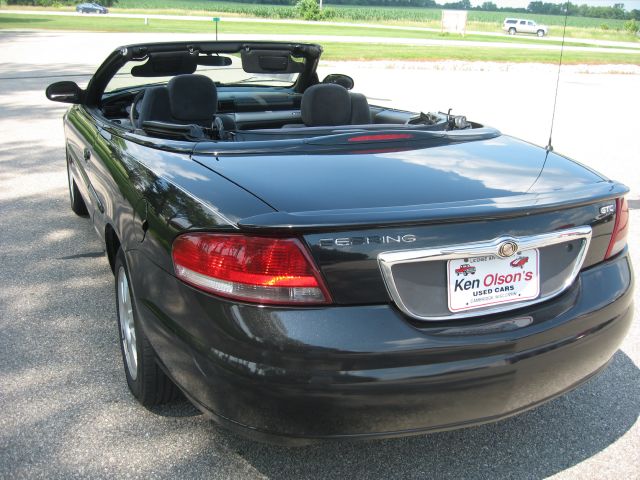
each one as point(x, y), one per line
point(351, 208)
point(494, 168)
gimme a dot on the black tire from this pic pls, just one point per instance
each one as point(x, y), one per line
point(512, 31)
point(146, 380)
point(75, 197)
point(540, 33)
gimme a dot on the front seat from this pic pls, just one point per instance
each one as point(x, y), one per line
point(153, 104)
point(193, 99)
point(187, 99)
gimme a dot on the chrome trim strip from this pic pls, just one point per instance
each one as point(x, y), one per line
point(386, 261)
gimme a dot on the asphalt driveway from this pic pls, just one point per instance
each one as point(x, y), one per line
point(65, 410)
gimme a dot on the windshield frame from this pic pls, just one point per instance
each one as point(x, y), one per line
point(119, 57)
point(124, 80)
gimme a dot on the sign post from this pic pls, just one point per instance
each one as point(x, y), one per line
point(216, 20)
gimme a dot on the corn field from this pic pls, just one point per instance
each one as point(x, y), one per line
point(361, 14)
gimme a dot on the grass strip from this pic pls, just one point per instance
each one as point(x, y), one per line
point(184, 26)
point(578, 27)
point(346, 51)
point(368, 51)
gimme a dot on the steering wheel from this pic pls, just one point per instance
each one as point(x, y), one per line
point(134, 114)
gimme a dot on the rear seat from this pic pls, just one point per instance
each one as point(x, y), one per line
point(360, 112)
point(187, 99)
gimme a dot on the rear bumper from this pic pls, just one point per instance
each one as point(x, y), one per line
point(297, 375)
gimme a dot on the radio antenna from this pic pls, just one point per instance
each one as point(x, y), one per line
point(555, 98)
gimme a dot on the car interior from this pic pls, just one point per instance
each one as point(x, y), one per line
point(194, 107)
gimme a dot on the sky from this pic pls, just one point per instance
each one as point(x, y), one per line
point(628, 4)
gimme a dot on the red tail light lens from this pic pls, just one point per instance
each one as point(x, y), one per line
point(253, 269)
point(620, 228)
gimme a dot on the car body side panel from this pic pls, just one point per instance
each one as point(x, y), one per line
point(108, 189)
point(79, 135)
point(169, 192)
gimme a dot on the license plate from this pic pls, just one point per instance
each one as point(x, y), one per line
point(479, 282)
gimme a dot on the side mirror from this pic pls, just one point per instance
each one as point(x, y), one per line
point(65, 92)
point(338, 78)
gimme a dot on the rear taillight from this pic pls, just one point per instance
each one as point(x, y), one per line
point(252, 269)
point(620, 228)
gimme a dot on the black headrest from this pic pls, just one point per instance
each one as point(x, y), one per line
point(151, 104)
point(193, 98)
point(326, 104)
point(360, 111)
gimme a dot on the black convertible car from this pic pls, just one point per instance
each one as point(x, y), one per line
point(304, 265)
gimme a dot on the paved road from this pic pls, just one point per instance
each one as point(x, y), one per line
point(65, 408)
point(541, 44)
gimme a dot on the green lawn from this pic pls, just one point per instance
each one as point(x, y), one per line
point(578, 27)
point(335, 50)
point(358, 13)
point(112, 24)
point(367, 51)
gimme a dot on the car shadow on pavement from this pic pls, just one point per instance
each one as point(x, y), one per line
point(179, 408)
point(536, 444)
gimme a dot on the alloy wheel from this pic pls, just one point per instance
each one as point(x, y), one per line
point(127, 325)
point(71, 181)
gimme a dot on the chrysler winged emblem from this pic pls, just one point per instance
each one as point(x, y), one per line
point(507, 249)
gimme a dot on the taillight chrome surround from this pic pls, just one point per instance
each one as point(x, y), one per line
point(387, 260)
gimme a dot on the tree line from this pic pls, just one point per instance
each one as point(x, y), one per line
point(57, 3)
point(615, 11)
